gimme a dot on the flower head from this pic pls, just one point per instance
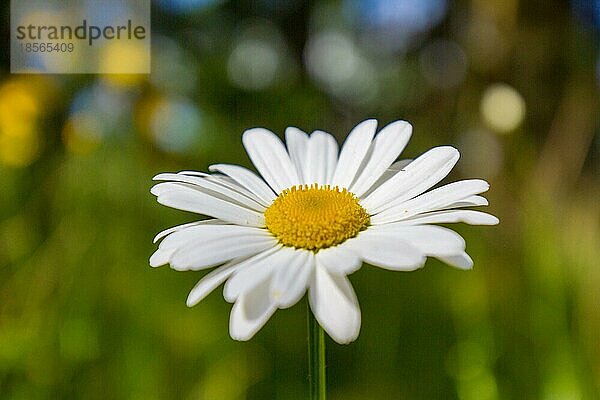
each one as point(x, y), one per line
point(313, 218)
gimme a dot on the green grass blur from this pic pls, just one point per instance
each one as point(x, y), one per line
point(512, 84)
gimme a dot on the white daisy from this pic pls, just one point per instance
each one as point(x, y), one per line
point(314, 219)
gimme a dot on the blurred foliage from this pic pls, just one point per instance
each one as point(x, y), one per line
point(513, 84)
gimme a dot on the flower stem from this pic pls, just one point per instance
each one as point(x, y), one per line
point(316, 359)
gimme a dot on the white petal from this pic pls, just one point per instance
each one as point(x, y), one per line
point(214, 187)
point(291, 279)
point(430, 240)
point(353, 151)
point(386, 251)
point(223, 180)
point(436, 199)
point(208, 254)
point(339, 259)
point(179, 236)
point(199, 232)
point(209, 247)
point(334, 304)
point(321, 158)
point(297, 145)
point(166, 232)
point(270, 158)
point(193, 173)
point(230, 183)
point(399, 165)
point(415, 178)
point(210, 281)
point(254, 271)
point(461, 261)
point(387, 174)
point(184, 197)
point(471, 217)
point(160, 257)
point(250, 312)
point(472, 201)
point(450, 194)
point(248, 180)
point(385, 148)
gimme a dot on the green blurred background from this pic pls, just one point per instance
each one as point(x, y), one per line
point(512, 84)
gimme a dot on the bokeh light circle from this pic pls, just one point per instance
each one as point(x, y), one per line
point(502, 108)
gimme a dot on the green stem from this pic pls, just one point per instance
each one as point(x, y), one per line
point(316, 359)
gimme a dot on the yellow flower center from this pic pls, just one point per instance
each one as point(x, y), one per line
point(315, 217)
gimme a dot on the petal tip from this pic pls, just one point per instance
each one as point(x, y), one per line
point(154, 190)
point(228, 294)
point(157, 259)
point(351, 337)
point(371, 123)
point(248, 133)
point(239, 337)
point(402, 123)
point(346, 337)
point(294, 130)
point(191, 301)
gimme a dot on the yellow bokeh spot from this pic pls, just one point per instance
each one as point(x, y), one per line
point(122, 63)
point(315, 217)
point(18, 110)
point(19, 114)
point(19, 152)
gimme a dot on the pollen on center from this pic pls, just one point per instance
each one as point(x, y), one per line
point(315, 217)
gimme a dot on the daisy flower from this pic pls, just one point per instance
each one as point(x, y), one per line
point(312, 217)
